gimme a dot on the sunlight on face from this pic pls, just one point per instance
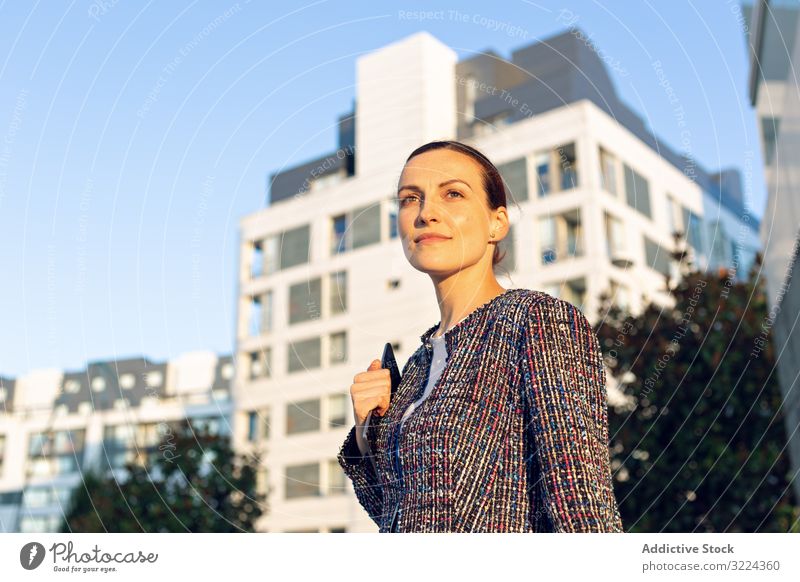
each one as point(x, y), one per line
point(441, 191)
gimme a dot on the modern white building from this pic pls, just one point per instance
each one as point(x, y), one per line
point(55, 424)
point(774, 39)
point(323, 281)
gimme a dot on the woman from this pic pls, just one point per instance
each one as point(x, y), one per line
point(500, 421)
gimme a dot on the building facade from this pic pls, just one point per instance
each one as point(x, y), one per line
point(774, 41)
point(323, 280)
point(55, 424)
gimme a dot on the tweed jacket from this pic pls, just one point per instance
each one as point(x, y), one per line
point(512, 438)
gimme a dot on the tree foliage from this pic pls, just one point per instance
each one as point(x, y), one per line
point(192, 482)
point(700, 443)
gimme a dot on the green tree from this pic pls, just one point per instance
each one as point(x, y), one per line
point(193, 482)
point(699, 443)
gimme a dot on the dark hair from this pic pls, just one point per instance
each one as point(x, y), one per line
point(492, 180)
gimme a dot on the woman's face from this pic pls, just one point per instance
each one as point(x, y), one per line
point(441, 192)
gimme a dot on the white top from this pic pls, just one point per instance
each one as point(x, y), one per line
point(438, 361)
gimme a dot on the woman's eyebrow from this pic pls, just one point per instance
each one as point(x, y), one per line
point(418, 189)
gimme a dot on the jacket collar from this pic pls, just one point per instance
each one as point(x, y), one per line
point(463, 328)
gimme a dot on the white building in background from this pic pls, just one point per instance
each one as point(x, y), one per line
point(55, 425)
point(323, 281)
point(774, 39)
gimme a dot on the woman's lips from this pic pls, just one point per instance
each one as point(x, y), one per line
point(432, 239)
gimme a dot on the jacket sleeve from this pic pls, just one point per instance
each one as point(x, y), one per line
point(567, 418)
point(361, 472)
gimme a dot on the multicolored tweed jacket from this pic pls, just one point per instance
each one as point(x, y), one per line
point(512, 438)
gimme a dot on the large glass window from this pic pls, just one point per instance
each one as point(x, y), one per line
point(258, 425)
point(637, 190)
point(304, 354)
point(556, 169)
point(338, 347)
point(260, 363)
point(338, 292)
point(568, 163)
point(561, 236)
point(305, 301)
point(303, 416)
point(257, 259)
point(608, 172)
point(542, 162)
point(295, 246)
point(302, 481)
point(338, 234)
point(337, 410)
point(55, 453)
point(656, 256)
point(615, 238)
point(119, 442)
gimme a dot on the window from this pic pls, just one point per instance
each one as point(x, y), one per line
point(294, 247)
point(72, 386)
point(720, 244)
point(608, 172)
point(338, 234)
point(226, 371)
point(337, 410)
point(393, 220)
point(304, 354)
point(556, 169)
point(615, 240)
point(336, 478)
point(303, 416)
point(127, 381)
point(574, 291)
point(257, 259)
point(260, 314)
point(637, 190)
point(48, 523)
point(302, 481)
point(568, 163)
point(619, 295)
point(769, 131)
point(258, 423)
point(656, 257)
point(542, 161)
point(675, 218)
point(358, 228)
point(272, 257)
point(561, 236)
point(338, 348)
point(260, 363)
point(515, 176)
point(694, 236)
point(98, 383)
point(338, 292)
point(154, 379)
point(305, 300)
point(55, 453)
point(119, 444)
point(262, 481)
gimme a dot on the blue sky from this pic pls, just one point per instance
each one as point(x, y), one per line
point(133, 137)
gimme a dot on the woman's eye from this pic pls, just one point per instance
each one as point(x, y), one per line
point(402, 201)
point(456, 192)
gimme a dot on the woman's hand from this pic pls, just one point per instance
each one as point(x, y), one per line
point(371, 390)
